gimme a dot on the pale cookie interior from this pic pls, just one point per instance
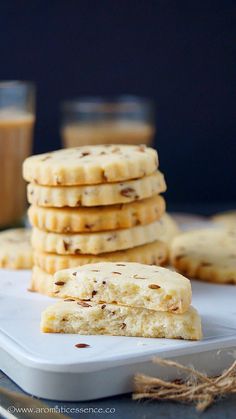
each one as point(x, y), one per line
point(131, 284)
point(86, 318)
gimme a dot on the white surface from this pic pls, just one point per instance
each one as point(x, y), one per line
point(188, 222)
point(49, 365)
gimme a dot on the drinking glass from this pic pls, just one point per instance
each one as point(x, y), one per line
point(17, 117)
point(98, 120)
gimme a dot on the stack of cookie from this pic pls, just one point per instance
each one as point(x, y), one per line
point(126, 299)
point(95, 203)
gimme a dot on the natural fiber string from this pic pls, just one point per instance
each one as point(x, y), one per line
point(196, 388)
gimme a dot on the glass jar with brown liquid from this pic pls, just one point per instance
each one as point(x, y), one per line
point(17, 117)
point(93, 120)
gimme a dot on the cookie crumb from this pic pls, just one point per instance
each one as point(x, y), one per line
point(82, 345)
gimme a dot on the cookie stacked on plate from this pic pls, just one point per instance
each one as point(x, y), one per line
point(126, 299)
point(95, 203)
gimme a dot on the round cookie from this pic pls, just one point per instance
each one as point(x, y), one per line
point(97, 195)
point(88, 165)
point(84, 219)
point(152, 254)
point(99, 242)
point(207, 254)
point(42, 282)
point(15, 249)
point(226, 219)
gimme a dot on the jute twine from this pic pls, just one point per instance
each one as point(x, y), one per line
point(196, 388)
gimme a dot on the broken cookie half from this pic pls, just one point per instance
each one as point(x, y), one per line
point(122, 299)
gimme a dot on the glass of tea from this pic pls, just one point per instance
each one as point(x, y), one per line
point(97, 120)
point(17, 117)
